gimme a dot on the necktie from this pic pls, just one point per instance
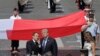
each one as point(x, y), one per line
point(36, 43)
point(44, 43)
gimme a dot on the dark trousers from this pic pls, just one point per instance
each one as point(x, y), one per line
point(82, 39)
point(81, 5)
point(21, 7)
point(52, 7)
point(32, 50)
point(14, 44)
point(94, 38)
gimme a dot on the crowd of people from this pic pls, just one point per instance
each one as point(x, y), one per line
point(48, 46)
point(45, 47)
point(90, 31)
point(51, 5)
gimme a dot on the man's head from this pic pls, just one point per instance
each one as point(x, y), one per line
point(87, 10)
point(91, 20)
point(15, 12)
point(45, 32)
point(91, 17)
point(35, 36)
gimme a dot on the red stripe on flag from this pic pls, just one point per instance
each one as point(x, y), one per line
point(62, 26)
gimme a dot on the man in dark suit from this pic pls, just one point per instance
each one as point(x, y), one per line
point(48, 44)
point(32, 46)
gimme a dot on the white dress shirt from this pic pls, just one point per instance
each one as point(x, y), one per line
point(94, 29)
point(34, 41)
point(17, 17)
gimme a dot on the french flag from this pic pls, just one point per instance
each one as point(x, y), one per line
point(58, 27)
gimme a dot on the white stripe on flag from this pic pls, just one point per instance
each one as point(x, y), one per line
point(5, 24)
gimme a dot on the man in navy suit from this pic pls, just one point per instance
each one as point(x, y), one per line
point(48, 44)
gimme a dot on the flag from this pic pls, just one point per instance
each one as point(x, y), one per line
point(57, 27)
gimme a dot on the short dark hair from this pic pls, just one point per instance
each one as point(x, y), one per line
point(33, 33)
point(91, 15)
point(15, 9)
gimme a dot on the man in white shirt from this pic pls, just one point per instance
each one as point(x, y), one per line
point(87, 16)
point(93, 28)
point(15, 43)
point(88, 12)
point(15, 14)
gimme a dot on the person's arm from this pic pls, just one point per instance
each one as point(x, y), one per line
point(93, 49)
point(39, 47)
point(98, 34)
point(97, 38)
point(54, 48)
point(84, 27)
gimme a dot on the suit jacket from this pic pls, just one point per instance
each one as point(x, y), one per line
point(31, 46)
point(51, 46)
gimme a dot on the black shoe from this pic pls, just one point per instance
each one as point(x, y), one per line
point(11, 50)
point(52, 12)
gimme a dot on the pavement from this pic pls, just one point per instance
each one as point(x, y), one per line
point(37, 9)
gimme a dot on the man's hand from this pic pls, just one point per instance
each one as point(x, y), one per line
point(84, 27)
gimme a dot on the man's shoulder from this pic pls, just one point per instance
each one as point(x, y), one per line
point(11, 17)
point(51, 38)
point(95, 24)
point(19, 17)
point(30, 41)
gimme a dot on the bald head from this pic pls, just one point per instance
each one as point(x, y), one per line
point(44, 32)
